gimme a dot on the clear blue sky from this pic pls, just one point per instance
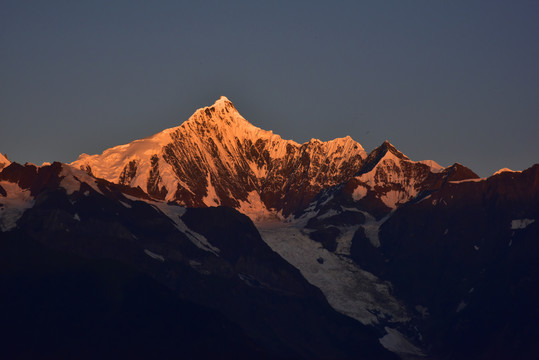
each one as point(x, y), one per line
point(452, 81)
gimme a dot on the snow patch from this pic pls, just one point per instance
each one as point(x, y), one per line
point(434, 166)
point(255, 208)
point(467, 180)
point(211, 198)
point(396, 342)
point(154, 255)
point(13, 205)
point(372, 228)
point(505, 170)
point(249, 280)
point(110, 164)
point(175, 212)
point(70, 184)
point(73, 178)
point(519, 224)
point(259, 172)
point(359, 193)
point(125, 204)
point(392, 198)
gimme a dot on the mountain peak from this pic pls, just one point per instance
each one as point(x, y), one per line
point(458, 172)
point(222, 103)
point(222, 112)
point(388, 147)
point(378, 154)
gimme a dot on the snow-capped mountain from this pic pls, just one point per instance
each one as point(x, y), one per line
point(218, 158)
point(391, 176)
point(387, 180)
point(357, 251)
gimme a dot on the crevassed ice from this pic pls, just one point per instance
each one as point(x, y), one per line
point(348, 289)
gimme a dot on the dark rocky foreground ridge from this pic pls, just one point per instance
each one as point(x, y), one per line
point(373, 254)
point(90, 271)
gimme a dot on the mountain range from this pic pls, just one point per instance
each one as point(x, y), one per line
point(219, 239)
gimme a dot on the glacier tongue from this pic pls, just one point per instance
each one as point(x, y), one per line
point(349, 289)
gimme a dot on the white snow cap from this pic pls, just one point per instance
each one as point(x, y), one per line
point(505, 170)
point(434, 166)
point(222, 102)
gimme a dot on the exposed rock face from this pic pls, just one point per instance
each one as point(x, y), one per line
point(127, 175)
point(218, 158)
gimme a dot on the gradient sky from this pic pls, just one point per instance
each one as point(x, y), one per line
point(452, 81)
